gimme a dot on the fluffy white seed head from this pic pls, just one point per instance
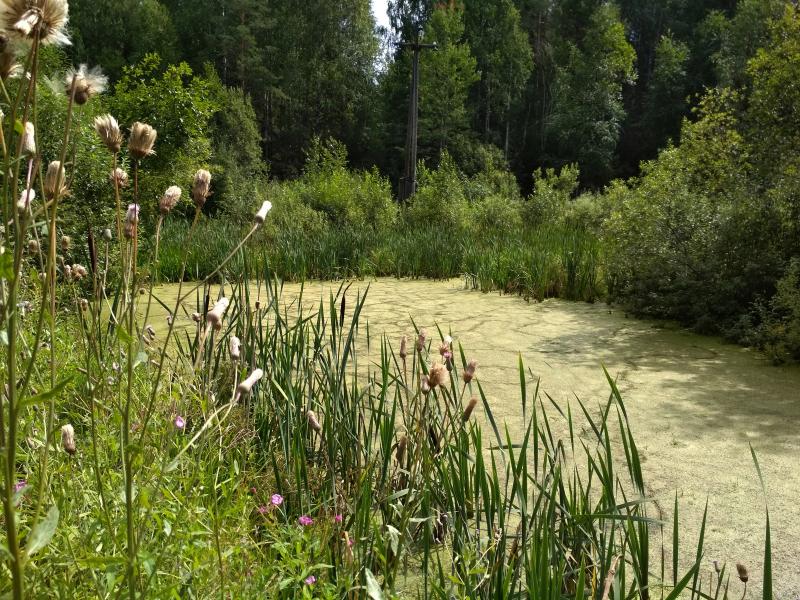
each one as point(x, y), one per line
point(169, 199)
point(216, 314)
point(247, 384)
point(261, 215)
point(235, 347)
point(68, 439)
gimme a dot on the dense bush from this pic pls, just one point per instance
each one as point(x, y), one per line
point(551, 195)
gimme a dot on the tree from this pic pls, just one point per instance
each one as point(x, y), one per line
point(665, 98)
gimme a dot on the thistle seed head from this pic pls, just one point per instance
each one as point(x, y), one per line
point(66, 242)
point(142, 140)
point(33, 246)
point(29, 19)
point(421, 340)
point(68, 439)
point(169, 199)
point(261, 215)
point(469, 371)
point(201, 188)
point(55, 181)
point(87, 83)
point(118, 177)
point(107, 235)
point(437, 376)
point(110, 134)
point(84, 304)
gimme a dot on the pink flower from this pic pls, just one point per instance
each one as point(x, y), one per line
point(179, 422)
point(338, 518)
point(253, 490)
point(19, 485)
point(276, 499)
point(305, 521)
point(262, 510)
point(311, 580)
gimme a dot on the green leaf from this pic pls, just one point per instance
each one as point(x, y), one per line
point(45, 396)
point(141, 359)
point(374, 590)
point(42, 532)
point(6, 264)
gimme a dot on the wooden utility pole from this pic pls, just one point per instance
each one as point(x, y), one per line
point(408, 183)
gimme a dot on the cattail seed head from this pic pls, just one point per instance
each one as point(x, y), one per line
point(201, 187)
point(29, 139)
point(421, 340)
point(247, 384)
point(25, 200)
point(142, 140)
point(169, 199)
point(235, 348)
point(469, 371)
point(403, 349)
point(118, 177)
point(107, 235)
point(313, 421)
point(68, 439)
point(33, 246)
point(87, 83)
point(437, 375)
point(741, 570)
point(216, 314)
point(468, 410)
point(55, 181)
point(29, 19)
point(108, 130)
point(261, 215)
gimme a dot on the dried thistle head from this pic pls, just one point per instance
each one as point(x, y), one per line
point(55, 181)
point(169, 199)
point(79, 271)
point(118, 177)
point(437, 375)
point(84, 304)
point(110, 134)
point(66, 242)
point(403, 349)
point(29, 139)
point(107, 235)
point(142, 140)
point(201, 187)
point(421, 340)
point(33, 246)
point(469, 371)
point(741, 570)
point(68, 439)
point(87, 83)
point(131, 220)
point(31, 19)
point(197, 317)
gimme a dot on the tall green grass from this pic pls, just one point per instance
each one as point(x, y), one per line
point(549, 261)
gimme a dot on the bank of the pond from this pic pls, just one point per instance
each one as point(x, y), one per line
point(695, 402)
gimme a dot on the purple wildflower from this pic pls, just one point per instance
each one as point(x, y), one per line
point(311, 580)
point(180, 423)
point(19, 485)
point(338, 518)
point(276, 499)
point(262, 510)
point(305, 521)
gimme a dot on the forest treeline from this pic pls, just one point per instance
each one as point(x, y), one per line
point(666, 130)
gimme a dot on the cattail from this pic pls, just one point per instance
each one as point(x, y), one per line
point(421, 339)
point(29, 139)
point(107, 235)
point(262, 212)
point(66, 242)
point(235, 347)
point(110, 134)
point(196, 317)
point(247, 384)
point(169, 199)
point(25, 199)
point(403, 349)
point(87, 83)
point(79, 271)
point(742, 571)
point(42, 19)
point(201, 189)
point(118, 177)
point(55, 181)
point(470, 407)
point(68, 439)
point(400, 453)
point(215, 314)
point(33, 246)
point(84, 304)
point(469, 371)
point(313, 421)
point(437, 376)
point(142, 140)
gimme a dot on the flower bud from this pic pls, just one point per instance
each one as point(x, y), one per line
point(403, 350)
point(55, 181)
point(437, 376)
point(469, 371)
point(25, 199)
point(33, 246)
point(313, 421)
point(744, 576)
point(421, 340)
point(142, 140)
point(468, 410)
point(107, 235)
point(68, 439)
point(235, 347)
point(66, 242)
point(215, 315)
point(262, 212)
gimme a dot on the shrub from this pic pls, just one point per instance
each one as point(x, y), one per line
point(497, 215)
point(440, 199)
point(780, 331)
point(551, 194)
